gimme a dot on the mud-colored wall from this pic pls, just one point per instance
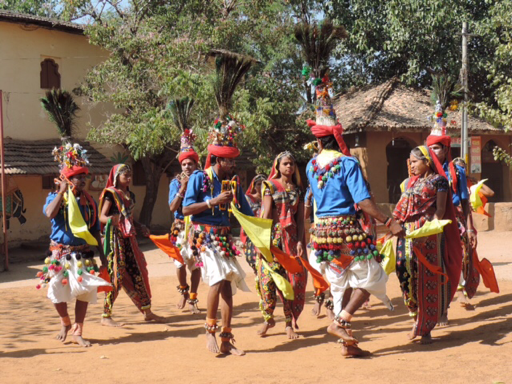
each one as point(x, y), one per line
point(23, 49)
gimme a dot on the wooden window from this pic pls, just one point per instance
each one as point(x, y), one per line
point(50, 76)
point(48, 182)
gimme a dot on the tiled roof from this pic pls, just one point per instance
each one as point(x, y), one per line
point(392, 106)
point(35, 158)
point(22, 18)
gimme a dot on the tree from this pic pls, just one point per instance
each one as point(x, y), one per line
point(405, 38)
point(44, 8)
point(498, 29)
point(158, 53)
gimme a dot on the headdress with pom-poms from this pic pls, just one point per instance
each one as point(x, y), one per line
point(72, 159)
point(180, 110)
point(223, 137)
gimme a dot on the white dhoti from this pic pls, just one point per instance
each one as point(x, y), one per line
point(367, 275)
point(70, 280)
point(216, 268)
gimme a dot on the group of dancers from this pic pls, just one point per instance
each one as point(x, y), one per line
point(327, 231)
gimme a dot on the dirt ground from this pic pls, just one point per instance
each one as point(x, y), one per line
point(475, 347)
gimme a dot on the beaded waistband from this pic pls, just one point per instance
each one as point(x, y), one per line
point(221, 230)
point(54, 246)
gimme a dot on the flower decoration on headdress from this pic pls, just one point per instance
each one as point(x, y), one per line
point(187, 140)
point(225, 133)
point(311, 146)
point(70, 155)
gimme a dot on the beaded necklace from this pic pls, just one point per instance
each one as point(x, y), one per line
point(323, 174)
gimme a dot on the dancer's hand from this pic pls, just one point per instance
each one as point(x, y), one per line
point(396, 229)
point(115, 219)
point(300, 249)
point(223, 198)
point(184, 181)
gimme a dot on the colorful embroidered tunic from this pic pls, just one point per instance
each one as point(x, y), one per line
point(127, 265)
point(426, 294)
point(285, 237)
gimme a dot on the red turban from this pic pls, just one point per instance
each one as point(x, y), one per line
point(328, 130)
point(189, 155)
point(446, 141)
point(221, 151)
point(434, 139)
point(73, 171)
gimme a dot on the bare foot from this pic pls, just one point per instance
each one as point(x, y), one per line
point(427, 339)
point(227, 348)
point(150, 316)
point(353, 351)
point(443, 320)
point(194, 308)
point(414, 332)
point(80, 341)
point(341, 333)
point(63, 333)
point(367, 305)
point(211, 343)
point(266, 326)
point(317, 308)
point(108, 322)
point(291, 333)
point(183, 299)
point(330, 314)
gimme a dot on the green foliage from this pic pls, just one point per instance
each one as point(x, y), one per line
point(61, 110)
point(498, 27)
point(44, 8)
point(501, 155)
point(158, 54)
point(406, 37)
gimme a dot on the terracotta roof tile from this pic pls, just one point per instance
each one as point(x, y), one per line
point(35, 158)
point(392, 106)
point(44, 22)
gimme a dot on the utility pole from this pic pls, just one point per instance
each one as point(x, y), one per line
point(464, 79)
point(2, 181)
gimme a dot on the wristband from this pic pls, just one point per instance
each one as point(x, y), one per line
point(208, 203)
point(180, 195)
point(387, 223)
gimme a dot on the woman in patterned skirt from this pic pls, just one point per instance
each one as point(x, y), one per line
point(428, 277)
point(126, 263)
point(281, 196)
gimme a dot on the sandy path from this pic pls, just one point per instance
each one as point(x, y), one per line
point(475, 348)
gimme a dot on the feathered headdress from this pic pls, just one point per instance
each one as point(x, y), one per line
point(317, 44)
point(443, 90)
point(72, 159)
point(180, 110)
point(223, 136)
